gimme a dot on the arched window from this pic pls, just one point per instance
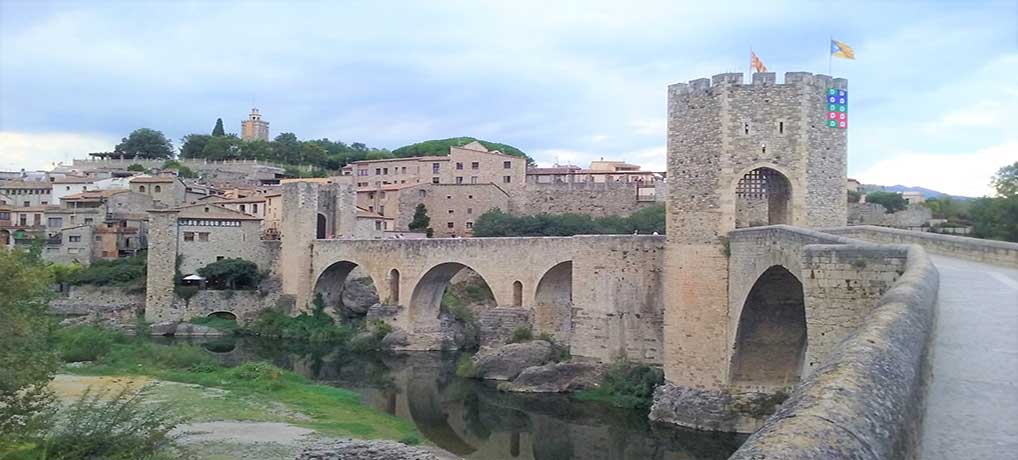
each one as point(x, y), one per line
point(141, 188)
point(320, 232)
point(517, 294)
point(158, 188)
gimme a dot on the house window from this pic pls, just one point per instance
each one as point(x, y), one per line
point(385, 170)
point(475, 165)
point(188, 236)
point(450, 211)
point(434, 180)
point(378, 225)
point(23, 220)
point(448, 197)
point(98, 238)
point(422, 193)
point(362, 172)
point(141, 188)
point(371, 195)
point(470, 225)
point(27, 204)
point(243, 208)
point(507, 165)
point(450, 225)
point(254, 208)
point(470, 210)
point(459, 166)
point(434, 168)
point(507, 179)
point(473, 179)
point(371, 208)
point(74, 239)
point(158, 189)
point(378, 171)
point(203, 236)
point(56, 222)
point(37, 219)
point(381, 210)
point(88, 220)
point(218, 258)
point(44, 203)
point(459, 179)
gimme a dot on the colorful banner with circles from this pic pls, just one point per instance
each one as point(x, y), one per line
point(837, 108)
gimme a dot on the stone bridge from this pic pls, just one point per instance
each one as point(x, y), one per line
point(617, 312)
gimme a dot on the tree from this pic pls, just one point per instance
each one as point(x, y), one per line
point(218, 130)
point(421, 221)
point(892, 202)
point(287, 148)
point(145, 143)
point(1005, 182)
point(192, 145)
point(854, 197)
point(136, 167)
point(222, 148)
point(440, 147)
point(182, 171)
point(995, 218)
point(26, 355)
point(231, 273)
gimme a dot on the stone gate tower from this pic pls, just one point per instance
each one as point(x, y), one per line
point(740, 155)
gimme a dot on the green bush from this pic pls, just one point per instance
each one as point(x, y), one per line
point(892, 202)
point(471, 327)
point(85, 343)
point(497, 223)
point(232, 273)
point(521, 334)
point(113, 425)
point(317, 327)
point(410, 440)
point(145, 354)
point(627, 385)
point(465, 367)
point(124, 272)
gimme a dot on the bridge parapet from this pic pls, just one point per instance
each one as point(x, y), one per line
point(979, 250)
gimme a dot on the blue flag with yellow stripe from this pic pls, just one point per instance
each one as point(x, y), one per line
point(841, 50)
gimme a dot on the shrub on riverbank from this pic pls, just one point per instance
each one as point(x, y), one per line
point(128, 272)
point(85, 343)
point(316, 327)
point(626, 385)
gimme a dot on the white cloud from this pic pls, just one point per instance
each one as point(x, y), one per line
point(43, 150)
point(649, 127)
point(966, 174)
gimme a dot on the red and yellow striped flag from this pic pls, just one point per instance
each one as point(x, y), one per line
point(756, 63)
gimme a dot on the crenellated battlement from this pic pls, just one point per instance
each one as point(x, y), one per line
point(758, 79)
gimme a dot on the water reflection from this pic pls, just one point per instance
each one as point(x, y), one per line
point(474, 420)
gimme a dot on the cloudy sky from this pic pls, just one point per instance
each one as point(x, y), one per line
point(934, 86)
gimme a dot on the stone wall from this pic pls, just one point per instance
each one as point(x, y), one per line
point(244, 304)
point(242, 242)
point(597, 199)
point(876, 214)
point(988, 251)
point(83, 300)
point(866, 400)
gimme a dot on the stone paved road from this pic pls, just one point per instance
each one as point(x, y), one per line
point(972, 404)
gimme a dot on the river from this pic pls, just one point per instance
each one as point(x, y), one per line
point(472, 418)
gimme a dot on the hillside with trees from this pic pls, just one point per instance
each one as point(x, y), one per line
point(440, 147)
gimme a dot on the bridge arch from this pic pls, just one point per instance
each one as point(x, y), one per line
point(426, 299)
point(332, 281)
point(556, 285)
point(770, 338)
point(764, 194)
point(227, 315)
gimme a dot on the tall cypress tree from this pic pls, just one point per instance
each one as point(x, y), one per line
point(218, 130)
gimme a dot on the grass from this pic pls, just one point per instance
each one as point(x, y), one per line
point(248, 388)
point(626, 385)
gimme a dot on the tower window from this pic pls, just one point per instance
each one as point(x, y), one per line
point(781, 127)
point(745, 127)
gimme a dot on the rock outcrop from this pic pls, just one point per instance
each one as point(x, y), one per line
point(507, 362)
point(358, 296)
point(365, 450)
point(557, 378)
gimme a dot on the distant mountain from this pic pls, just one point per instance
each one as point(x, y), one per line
point(927, 193)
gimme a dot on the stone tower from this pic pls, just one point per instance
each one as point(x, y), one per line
point(740, 155)
point(254, 128)
point(313, 209)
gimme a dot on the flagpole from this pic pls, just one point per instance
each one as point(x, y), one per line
point(830, 55)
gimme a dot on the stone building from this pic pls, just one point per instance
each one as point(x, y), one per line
point(70, 185)
point(166, 191)
point(209, 232)
point(254, 128)
point(469, 164)
point(27, 193)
